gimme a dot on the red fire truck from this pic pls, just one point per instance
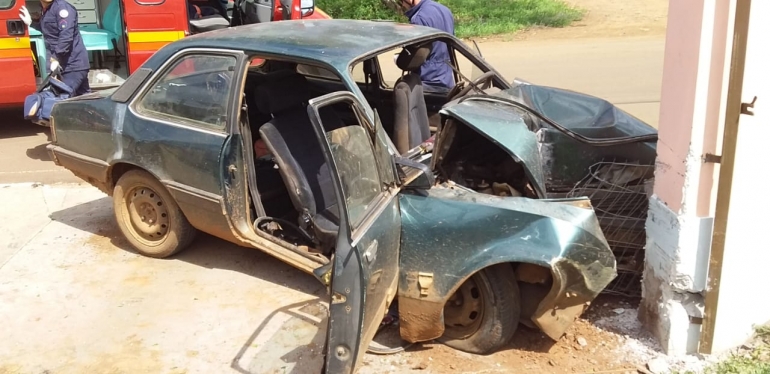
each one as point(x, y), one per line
point(130, 30)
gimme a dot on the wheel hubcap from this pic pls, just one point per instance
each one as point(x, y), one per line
point(148, 213)
point(463, 311)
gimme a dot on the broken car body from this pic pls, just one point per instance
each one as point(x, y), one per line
point(346, 183)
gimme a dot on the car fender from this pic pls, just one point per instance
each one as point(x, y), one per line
point(449, 234)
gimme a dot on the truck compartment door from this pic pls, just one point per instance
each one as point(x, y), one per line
point(151, 24)
point(16, 67)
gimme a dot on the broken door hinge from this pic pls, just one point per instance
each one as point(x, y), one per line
point(712, 158)
point(745, 107)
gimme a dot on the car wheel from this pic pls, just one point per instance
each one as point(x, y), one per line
point(149, 217)
point(483, 313)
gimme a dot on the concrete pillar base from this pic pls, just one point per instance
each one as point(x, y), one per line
point(674, 277)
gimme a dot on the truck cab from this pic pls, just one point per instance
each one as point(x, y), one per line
point(120, 35)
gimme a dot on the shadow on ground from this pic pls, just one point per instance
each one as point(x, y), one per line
point(97, 217)
point(13, 124)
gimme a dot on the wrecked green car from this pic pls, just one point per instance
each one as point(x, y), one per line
point(289, 137)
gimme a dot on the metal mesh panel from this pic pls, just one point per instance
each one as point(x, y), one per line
point(619, 195)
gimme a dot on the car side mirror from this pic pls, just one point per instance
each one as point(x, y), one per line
point(308, 8)
point(424, 181)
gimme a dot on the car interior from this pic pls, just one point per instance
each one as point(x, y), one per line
point(293, 181)
point(207, 15)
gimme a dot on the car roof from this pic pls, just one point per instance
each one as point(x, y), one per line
point(334, 41)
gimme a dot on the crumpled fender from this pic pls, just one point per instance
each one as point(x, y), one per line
point(504, 127)
point(451, 233)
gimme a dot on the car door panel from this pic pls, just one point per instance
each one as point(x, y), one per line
point(365, 267)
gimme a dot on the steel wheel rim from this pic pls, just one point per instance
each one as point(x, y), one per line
point(148, 214)
point(464, 311)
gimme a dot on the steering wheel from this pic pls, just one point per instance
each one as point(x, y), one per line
point(461, 89)
point(216, 85)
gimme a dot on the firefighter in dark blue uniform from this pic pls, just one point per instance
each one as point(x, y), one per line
point(435, 72)
point(63, 43)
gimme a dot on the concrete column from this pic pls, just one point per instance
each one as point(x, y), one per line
point(681, 209)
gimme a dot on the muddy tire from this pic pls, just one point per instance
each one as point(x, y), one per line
point(149, 217)
point(483, 314)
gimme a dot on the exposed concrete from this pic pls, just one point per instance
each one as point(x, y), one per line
point(75, 299)
point(679, 222)
point(674, 277)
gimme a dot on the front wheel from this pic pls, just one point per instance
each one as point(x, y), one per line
point(483, 314)
point(149, 217)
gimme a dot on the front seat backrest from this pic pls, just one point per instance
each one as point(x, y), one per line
point(292, 141)
point(410, 121)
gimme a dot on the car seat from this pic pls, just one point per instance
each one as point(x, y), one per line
point(411, 126)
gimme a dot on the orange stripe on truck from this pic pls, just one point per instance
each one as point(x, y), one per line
point(16, 53)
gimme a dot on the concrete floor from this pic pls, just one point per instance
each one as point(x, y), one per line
point(75, 299)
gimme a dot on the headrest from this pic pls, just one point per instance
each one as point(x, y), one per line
point(412, 57)
point(284, 92)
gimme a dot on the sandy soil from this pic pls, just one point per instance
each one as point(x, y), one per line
point(607, 339)
point(603, 19)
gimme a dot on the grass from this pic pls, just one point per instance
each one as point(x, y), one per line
point(472, 17)
point(755, 362)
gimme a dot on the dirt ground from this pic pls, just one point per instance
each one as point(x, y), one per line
point(607, 339)
point(606, 18)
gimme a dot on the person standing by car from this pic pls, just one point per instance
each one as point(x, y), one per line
point(63, 43)
point(435, 72)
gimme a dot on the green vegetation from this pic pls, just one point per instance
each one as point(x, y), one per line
point(472, 17)
point(757, 361)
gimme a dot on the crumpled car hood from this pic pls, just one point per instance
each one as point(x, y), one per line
point(551, 159)
point(503, 126)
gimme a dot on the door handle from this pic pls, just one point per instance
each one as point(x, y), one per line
point(232, 169)
point(15, 27)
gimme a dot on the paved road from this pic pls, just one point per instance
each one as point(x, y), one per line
point(625, 71)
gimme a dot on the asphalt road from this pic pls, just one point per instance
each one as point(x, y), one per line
point(625, 71)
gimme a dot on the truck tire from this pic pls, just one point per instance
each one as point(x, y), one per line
point(148, 216)
point(483, 314)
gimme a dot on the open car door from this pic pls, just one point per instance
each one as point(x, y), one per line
point(364, 274)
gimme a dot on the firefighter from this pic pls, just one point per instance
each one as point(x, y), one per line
point(63, 43)
point(435, 72)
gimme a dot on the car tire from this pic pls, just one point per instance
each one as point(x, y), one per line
point(149, 217)
point(483, 314)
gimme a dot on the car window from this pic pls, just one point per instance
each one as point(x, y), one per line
point(316, 72)
point(466, 66)
point(352, 151)
point(322, 73)
point(389, 71)
point(6, 4)
point(195, 91)
point(357, 72)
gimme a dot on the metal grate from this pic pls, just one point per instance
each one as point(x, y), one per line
point(619, 195)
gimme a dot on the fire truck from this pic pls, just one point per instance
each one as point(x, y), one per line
point(128, 30)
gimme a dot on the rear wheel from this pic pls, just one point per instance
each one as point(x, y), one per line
point(149, 217)
point(483, 313)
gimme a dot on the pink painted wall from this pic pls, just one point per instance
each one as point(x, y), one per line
point(680, 69)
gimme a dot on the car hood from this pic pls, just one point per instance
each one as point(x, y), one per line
point(504, 127)
point(548, 156)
